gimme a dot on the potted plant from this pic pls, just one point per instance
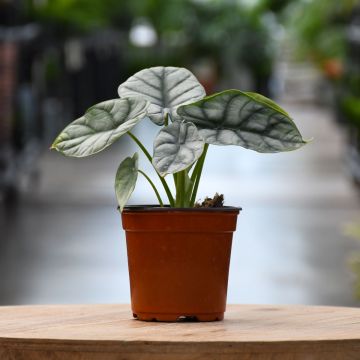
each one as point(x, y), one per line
point(178, 253)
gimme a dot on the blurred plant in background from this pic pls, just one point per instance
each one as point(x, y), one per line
point(186, 32)
point(318, 30)
point(350, 86)
point(327, 32)
point(79, 16)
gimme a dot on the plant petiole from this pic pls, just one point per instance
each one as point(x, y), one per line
point(153, 186)
point(163, 181)
point(196, 175)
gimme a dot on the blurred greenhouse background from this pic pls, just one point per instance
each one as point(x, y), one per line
point(61, 239)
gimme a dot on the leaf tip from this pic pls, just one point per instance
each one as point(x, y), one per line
point(53, 147)
point(136, 156)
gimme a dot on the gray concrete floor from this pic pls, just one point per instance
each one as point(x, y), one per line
point(63, 243)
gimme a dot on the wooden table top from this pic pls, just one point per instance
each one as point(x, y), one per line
point(108, 332)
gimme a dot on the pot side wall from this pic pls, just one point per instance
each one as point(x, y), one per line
point(179, 262)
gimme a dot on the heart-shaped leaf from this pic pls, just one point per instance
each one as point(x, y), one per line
point(102, 125)
point(165, 88)
point(176, 147)
point(125, 179)
point(249, 120)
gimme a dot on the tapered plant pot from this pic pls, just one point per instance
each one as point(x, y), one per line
point(179, 261)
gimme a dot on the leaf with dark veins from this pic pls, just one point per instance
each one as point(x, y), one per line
point(176, 147)
point(102, 125)
point(165, 88)
point(249, 120)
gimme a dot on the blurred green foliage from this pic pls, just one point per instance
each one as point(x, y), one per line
point(350, 105)
point(79, 15)
point(318, 27)
point(216, 29)
point(187, 29)
point(318, 32)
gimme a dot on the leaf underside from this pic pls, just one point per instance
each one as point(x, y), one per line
point(125, 180)
point(165, 88)
point(176, 147)
point(249, 120)
point(102, 125)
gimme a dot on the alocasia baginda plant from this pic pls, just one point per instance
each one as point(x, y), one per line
point(190, 121)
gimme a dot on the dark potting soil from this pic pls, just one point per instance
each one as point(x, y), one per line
point(215, 202)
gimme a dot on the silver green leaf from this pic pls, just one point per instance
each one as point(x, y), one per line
point(102, 125)
point(165, 88)
point(249, 120)
point(125, 180)
point(262, 99)
point(176, 147)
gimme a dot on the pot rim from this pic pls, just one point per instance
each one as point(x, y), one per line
point(167, 208)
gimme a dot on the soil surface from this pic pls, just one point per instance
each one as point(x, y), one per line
point(216, 201)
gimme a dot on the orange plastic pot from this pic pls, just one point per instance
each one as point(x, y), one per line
point(179, 261)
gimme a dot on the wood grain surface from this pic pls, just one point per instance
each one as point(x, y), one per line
point(108, 332)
